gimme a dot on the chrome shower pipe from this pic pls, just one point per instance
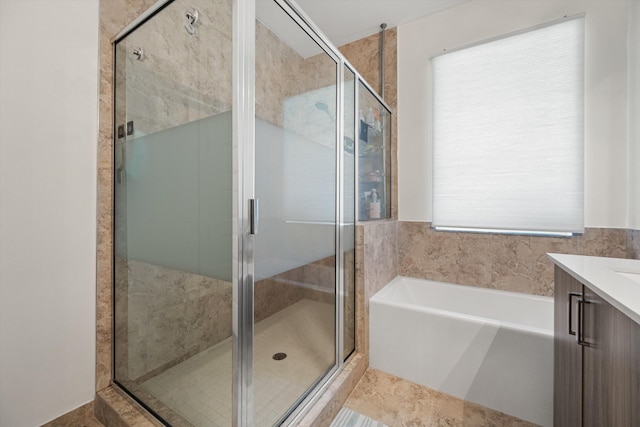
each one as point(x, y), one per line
point(383, 27)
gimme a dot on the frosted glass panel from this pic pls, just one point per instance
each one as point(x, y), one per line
point(508, 132)
point(179, 197)
point(297, 203)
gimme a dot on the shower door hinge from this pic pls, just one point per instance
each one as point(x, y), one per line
point(253, 216)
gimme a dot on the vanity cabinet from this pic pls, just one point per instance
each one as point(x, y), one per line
point(596, 359)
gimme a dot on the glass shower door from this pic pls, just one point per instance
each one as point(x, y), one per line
point(173, 213)
point(296, 186)
point(217, 324)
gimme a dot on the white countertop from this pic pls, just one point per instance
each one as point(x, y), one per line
point(615, 280)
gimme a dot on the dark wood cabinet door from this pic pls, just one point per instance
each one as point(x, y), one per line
point(567, 366)
point(598, 385)
point(611, 388)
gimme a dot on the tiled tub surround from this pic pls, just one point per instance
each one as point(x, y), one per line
point(377, 242)
point(508, 262)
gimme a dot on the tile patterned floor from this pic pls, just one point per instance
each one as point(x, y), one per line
point(400, 403)
point(199, 389)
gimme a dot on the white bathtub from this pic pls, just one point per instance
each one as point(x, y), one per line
point(491, 347)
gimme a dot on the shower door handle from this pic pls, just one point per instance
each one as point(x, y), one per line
point(253, 216)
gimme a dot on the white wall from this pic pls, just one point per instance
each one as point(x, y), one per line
point(48, 133)
point(606, 181)
point(634, 116)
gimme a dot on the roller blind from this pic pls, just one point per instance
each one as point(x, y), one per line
point(508, 133)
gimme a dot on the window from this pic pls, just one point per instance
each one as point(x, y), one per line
point(508, 133)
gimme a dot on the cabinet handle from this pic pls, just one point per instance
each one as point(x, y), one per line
point(571, 295)
point(580, 337)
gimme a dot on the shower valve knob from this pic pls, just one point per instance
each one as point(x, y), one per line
point(138, 53)
point(192, 18)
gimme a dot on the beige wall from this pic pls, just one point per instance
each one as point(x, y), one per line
point(634, 115)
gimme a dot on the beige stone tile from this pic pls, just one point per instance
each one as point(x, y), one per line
point(79, 417)
point(606, 242)
point(633, 244)
point(400, 403)
point(114, 409)
point(328, 405)
point(378, 396)
point(384, 230)
point(380, 266)
point(513, 263)
point(498, 419)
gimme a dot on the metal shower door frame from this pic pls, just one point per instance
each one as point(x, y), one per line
point(243, 119)
point(244, 192)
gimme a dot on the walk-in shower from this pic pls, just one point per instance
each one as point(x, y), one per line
point(235, 209)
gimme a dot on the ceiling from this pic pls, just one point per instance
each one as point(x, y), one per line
point(344, 21)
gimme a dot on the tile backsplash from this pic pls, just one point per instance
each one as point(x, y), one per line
point(633, 244)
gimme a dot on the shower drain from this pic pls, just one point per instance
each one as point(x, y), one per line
point(279, 356)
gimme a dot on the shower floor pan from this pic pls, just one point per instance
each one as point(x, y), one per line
point(199, 389)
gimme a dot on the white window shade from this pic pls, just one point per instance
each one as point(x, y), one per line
point(508, 133)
